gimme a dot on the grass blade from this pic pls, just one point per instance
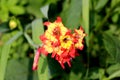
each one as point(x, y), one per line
point(5, 54)
point(3, 60)
point(85, 17)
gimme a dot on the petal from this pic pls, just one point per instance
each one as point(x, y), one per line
point(81, 28)
point(46, 23)
point(53, 54)
point(69, 64)
point(36, 59)
point(62, 65)
point(43, 38)
point(43, 51)
point(72, 52)
point(58, 19)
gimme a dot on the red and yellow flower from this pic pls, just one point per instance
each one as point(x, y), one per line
point(60, 43)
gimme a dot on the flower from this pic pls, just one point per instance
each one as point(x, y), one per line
point(60, 43)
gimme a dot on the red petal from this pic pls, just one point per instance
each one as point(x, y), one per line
point(43, 38)
point(53, 54)
point(81, 28)
point(46, 23)
point(64, 54)
point(69, 64)
point(58, 19)
point(43, 51)
point(36, 59)
point(68, 32)
point(62, 65)
point(72, 52)
point(81, 48)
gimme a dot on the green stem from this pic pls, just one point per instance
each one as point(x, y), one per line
point(110, 12)
point(30, 41)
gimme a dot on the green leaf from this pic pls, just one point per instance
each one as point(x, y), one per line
point(20, 69)
point(4, 14)
point(74, 76)
point(17, 10)
point(97, 73)
point(12, 2)
point(115, 17)
point(71, 17)
point(113, 68)
point(23, 2)
point(114, 2)
point(101, 4)
point(77, 69)
point(55, 69)
point(3, 60)
point(85, 18)
point(112, 45)
point(114, 75)
point(37, 30)
point(44, 10)
point(43, 72)
point(5, 54)
point(35, 5)
point(4, 27)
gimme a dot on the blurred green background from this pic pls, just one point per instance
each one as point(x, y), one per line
point(21, 24)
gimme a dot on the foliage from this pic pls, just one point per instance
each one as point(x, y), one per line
point(21, 24)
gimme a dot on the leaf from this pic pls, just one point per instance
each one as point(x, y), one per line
point(114, 2)
point(115, 17)
point(112, 45)
point(18, 69)
point(101, 4)
point(113, 68)
point(44, 10)
point(3, 60)
point(12, 2)
point(4, 14)
point(43, 72)
point(97, 73)
point(75, 76)
point(5, 54)
point(114, 75)
point(35, 5)
point(23, 2)
point(71, 17)
point(37, 30)
point(17, 10)
point(85, 18)
point(54, 67)
point(4, 27)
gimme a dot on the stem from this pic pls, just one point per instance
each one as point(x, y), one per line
point(101, 24)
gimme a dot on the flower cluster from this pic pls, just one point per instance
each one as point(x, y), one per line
point(60, 43)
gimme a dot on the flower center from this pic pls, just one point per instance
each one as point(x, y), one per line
point(56, 31)
point(66, 41)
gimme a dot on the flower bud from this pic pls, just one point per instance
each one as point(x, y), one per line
point(12, 24)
